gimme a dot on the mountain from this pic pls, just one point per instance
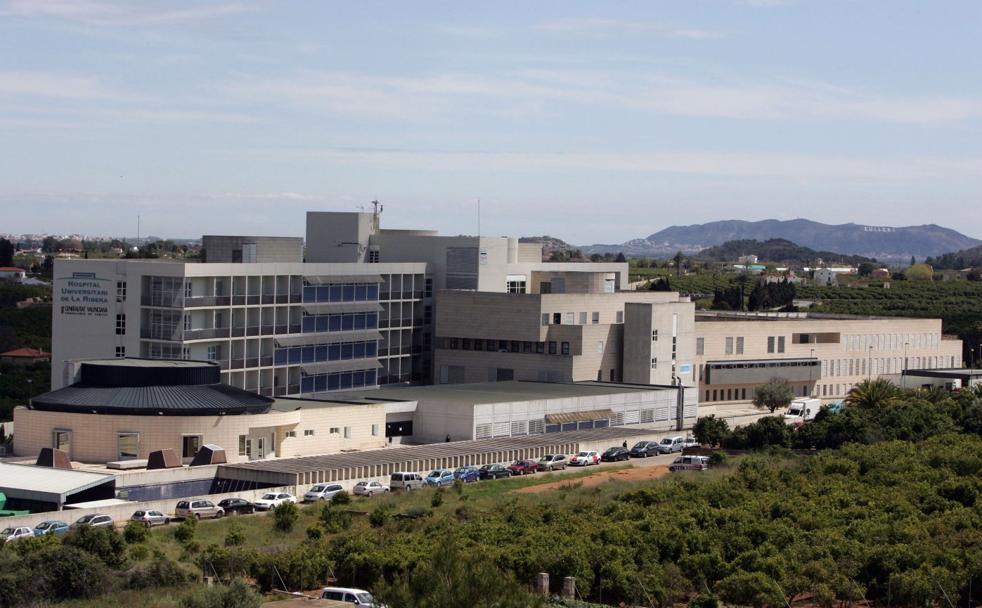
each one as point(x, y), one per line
point(880, 242)
point(778, 251)
point(549, 244)
point(965, 258)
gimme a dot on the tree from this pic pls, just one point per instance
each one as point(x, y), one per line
point(6, 253)
point(710, 430)
point(678, 259)
point(866, 269)
point(104, 543)
point(620, 257)
point(285, 516)
point(919, 272)
point(773, 395)
point(872, 394)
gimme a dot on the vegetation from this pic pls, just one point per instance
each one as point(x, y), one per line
point(773, 395)
point(966, 258)
point(710, 430)
point(285, 516)
point(777, 251)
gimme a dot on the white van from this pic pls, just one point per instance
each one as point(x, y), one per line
point(406, 481)
point(355, 597)
point(690, 463)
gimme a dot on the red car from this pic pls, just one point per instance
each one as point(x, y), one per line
point(523, 467)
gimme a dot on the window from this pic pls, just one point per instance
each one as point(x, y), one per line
point(654, 363)
point(347, 432)
point(700, 346)
point(243, 451)
point(62, 440)
point(540, 347)
point(213, 352)
point(120, 325)
point(569, 318)
point(552, 348)
point(582, 318)
point(187, 287)
point(596, 317)
point(120, 291)
point(565, 348)
point(120, 352)
point(557, 318)
point(515, 285)
point(335, 430)
point(545, 318)
point(600, 346)
point(770, 344)
point(739, 345)
point(128, 446)
point(620, 316)
point(654, 335)
point(375, 430)
point(308, 432)
point(373, 256)
point(729, 346)
point(780, 344)
point(190, 445)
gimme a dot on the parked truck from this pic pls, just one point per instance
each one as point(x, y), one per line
point(802, 410)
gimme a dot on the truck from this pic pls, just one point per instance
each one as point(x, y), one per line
point(802, 410)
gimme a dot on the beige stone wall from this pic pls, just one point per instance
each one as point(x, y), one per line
point(94, 437)
point(845, 362)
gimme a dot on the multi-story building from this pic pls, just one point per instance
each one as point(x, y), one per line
point(820, 355)
point(276, 328)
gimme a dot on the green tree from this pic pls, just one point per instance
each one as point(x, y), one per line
point(678, 259)
point(710, 430)
point(184, 533)
point(6, 253)
point(871, 394)
point(104, 543)
point(135, 532)
point(919, 272)
point(379, 515)
point(285, 516)
point(775, 394)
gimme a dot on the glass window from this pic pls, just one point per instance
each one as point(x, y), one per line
point(307, 354)
point(334, 323)
point(323, 293)
point(360, 320)
point(565, 348)
point(545, 318)
point(333, 352)
point(62, 441)
point(335, 293)
point(739, 345)
point(552, 348)
point(307, 384)
point(770, 344)
point(190, 445)
point(729, 346)
point(242, 446)
point(780, 344)
point(700, 346)
point(295, 355)
point(320, 383)
point(359, 350)
point(596, 317)
point(347, 322)
point(348, 293)
point(361, 293)
point(346, 350)
point(371, 293)
point(309, 324)
point(309, 294)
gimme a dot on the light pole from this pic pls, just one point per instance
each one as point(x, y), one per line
point(869, 364)
point(903, 371)
point(811, 387)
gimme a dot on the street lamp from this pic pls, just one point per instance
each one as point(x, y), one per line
point(869, 364)
point(811, 366)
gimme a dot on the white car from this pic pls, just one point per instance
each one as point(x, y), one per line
point(11, 534)
point(369, 488)
point(271, 500)
point(671, 444)
point(347, 595)
point(322, 492)
point(690, 442)
point(583, 459)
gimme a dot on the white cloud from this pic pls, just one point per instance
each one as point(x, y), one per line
point(121, 14)
point(607, 26)
point(59, 86)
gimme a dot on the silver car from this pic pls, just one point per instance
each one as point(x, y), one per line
point(96, 521)
point(322, 492)
point(370, 488)
point(150, 518)
point(198, 509)
point(552, 462)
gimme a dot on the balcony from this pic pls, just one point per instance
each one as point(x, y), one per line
point(207, 334)
point(201, 301)
point(158, 302)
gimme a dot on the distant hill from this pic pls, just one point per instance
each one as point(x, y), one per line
point(881, 242)
point(549, 243)
point(966, 258)
point(779, 251)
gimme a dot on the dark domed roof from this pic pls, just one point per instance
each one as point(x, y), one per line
point(151, 387)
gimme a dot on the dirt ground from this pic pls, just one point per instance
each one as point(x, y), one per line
point(631, 474)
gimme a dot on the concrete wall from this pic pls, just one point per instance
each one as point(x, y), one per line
point(671, 320)
point(268, 248)
point(338, 237)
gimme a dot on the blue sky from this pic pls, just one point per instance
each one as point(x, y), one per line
point(590, 121)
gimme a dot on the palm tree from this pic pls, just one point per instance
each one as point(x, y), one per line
point(871, 394)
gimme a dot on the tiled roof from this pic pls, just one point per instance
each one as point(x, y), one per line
point(27, 353)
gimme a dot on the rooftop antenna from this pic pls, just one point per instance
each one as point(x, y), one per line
point(138, 229)
point(479, 218)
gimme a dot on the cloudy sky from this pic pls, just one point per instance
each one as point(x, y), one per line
point(590, 121)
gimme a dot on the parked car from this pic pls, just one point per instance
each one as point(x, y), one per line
point(371, 488)
point(440, 477)
point(150, 518)
point(356, 597)
point(236, 506)
point(690, 442)
point(583, 459)
point(689, 463)
point(322, 492)
point(671, 444)
point(643, 449)
point(552, 462)
point(271, 500)
point(96, 521)
point(198, 509)
point(51, 526)
point(467, 474)
point(406, 481)
point(615, 454)
point(523, 467)
point(494, 471)
point(12, 534)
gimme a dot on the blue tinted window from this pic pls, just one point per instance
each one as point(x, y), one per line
point(349, 293)
point(280, 357)
point(307, 385)
point(371, 320)
point(333, 382)
point(360, 320)
point(370, 377)
point(346, 351)
point(335, 324)
point(320, 383)
point(309, 324)
point(359, 350)
point(322, 293)
point(358, 378)
point(346, 380)
point(321, 353)
point(309, 294)
point(347, 322)
point(372, 292)
point(308, 354)
point(361, 293)
point(295, 355)
point(371, 349)
point(321, 324)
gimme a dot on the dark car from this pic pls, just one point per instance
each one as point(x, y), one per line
point(494, 471)
point(615, 454)
point(236, 506)
point(523, 467)
point(643, 449)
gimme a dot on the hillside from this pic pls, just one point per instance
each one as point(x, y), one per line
point(966, 258)
point(549, 243)
point(777, 251)
point(880, 242)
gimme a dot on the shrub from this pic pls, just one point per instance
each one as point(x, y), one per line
point(62, 573)
point(341, 498)
point(718, 459)
point(234, 537)
point(458, 486)
point(379, 516)
point(184, 533)
point(285, 516)
point(334, 519)
point(236, 595)
point(139, 552)
point(710, 430)
point(104, 543)
point(135, 532)
point(704, 601)
point(437, 499)
point(158, 573)
point(314, 533)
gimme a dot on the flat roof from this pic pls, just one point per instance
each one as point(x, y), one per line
point(710, 316)
point(46, 484)
point(138, 362)
point(289, 404)
point(493, 392)
point(951, 372)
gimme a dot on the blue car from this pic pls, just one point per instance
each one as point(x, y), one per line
point(51, 526)
point(440, 477)
point(467, 474)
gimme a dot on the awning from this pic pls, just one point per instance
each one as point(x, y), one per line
point(331, 367)
point(564, 417)
point(328, 338)
point(339, 279)
point(329, 307)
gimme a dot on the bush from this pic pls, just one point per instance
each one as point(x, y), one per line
point(704, 601)
point(236, 595)
point(314, 533)
point(437, 499)
point(135, 532)
point(710, 430)
point(139, 552)
point(56, 573)
point(104, 543)
point(234, 537)
point(341, 498)
point(379, 516)
point(334, 519)
point(718, 459)
point(458, 486)
point(184, 533)
point(158, 573)
point(285, 516)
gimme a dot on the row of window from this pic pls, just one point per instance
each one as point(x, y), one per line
point(890, 342)
point(347, 321)
point(506, 346)
point(572, 318)
point(362, 292)
point(338, 381)
point(326, 352)
point(127, 444)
